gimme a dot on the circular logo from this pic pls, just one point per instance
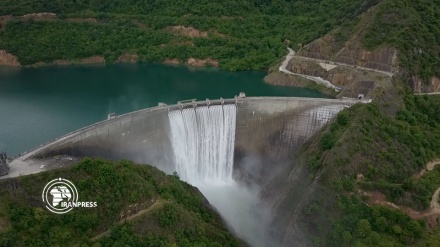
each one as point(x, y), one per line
point(60, 195)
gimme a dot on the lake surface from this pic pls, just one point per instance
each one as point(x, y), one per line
point(39, 104)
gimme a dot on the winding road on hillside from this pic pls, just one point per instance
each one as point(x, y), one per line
point(319, 80)
point(390, 74)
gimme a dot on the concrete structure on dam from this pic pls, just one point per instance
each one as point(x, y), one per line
point(266, 126)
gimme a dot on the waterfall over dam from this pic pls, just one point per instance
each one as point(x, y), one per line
point(202, 140)
point(228, 148)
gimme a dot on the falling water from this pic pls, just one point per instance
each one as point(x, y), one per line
point(203, 139)
point(203, 142)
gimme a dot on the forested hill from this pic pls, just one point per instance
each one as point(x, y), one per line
point(180, 8)
point(410, 26)
point(138, 205)
point(246, 34)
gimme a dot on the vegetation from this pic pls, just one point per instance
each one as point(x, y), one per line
point(388, 150)
point(380, 147)
point(348, 221)
point(179, 216)
point(413, 27)
point(383, 146)
point(388, 143)
point(242, 35)
point(374, 226)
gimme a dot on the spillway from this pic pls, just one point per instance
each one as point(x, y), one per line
point(211, 144)
point(202, 140)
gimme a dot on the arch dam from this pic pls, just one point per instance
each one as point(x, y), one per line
point(267, 128)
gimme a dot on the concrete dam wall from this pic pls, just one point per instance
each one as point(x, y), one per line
point(268, 126)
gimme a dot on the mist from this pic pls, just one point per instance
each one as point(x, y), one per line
point(203, 140)
point(240, 207)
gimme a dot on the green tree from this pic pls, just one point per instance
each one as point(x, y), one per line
point(363, 228)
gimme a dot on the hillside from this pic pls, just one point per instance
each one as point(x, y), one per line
point(399, 37)
point(345, 185)
point(364, 180)
point(249, 34)
point(369, 178)
point(138, 205)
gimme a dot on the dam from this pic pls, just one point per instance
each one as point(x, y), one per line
point(227, 148)
point(270, 127)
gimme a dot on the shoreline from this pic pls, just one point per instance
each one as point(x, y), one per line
point(9, 60)
point(74, 64)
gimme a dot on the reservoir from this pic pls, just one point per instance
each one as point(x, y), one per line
point(39, 104)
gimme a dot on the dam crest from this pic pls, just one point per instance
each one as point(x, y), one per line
point(269, 127)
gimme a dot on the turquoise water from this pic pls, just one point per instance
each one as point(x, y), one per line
point(40, 104)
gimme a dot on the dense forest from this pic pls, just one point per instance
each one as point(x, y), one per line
point(178, 213)
point(241, 35)
point(249, 34)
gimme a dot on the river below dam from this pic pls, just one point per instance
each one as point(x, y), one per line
point(39, 104)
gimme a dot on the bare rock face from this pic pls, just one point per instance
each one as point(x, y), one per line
point(59, 62)
point(380, 59)
point(42, 14)
point(186, 31)
point(93, 60)
point(3, 21)
point(338, 75)
point(38, 16)
point(352, 53)
point(191, 32)
point(383, 58)
point(7, 59)
point(419, 86)
point(308, 68)
point(87, 60)
point(41, 64)
point(435, 82)
point(128, 58)
point(202, 62)
point(171, 61)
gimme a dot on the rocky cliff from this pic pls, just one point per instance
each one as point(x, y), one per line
point(392, 36)
point(352, 52)
point(128, 58)
point(419, 86)
point(7, 59)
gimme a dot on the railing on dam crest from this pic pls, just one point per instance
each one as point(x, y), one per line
point(182, 105)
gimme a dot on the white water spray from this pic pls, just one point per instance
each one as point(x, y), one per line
point(203, 143)
point(203, 139)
